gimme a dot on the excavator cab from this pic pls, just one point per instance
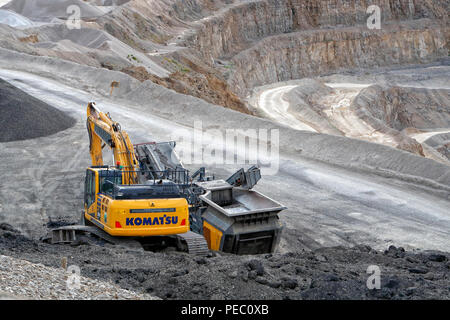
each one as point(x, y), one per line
point(143, 210)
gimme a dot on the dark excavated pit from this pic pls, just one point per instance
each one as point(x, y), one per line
point(25, 117)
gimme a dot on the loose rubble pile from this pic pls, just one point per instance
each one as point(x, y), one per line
point(328, 273)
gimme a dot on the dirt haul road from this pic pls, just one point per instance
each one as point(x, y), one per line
point(343, 105)
point(271, 102)
point(42, 180)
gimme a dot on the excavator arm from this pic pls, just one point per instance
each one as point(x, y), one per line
point(103, 131)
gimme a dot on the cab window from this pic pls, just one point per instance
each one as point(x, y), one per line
point(108, 179)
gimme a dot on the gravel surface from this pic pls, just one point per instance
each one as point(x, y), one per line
point(21, 279)
point(327, 273)
point(25, 117)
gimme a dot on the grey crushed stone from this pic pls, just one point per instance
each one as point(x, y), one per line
point(21, 279)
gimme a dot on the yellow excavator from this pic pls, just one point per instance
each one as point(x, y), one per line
point(149, 198)
point(115, 201)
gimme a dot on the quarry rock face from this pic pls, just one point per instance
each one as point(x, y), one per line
point(221, 51)
point(305, 54)
point(224, 33)
point(271, 41)
point(322, 37)
point(232, 46)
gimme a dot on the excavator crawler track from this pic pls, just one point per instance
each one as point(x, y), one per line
point(196, 244)
point(70, 234)
point(191, 242)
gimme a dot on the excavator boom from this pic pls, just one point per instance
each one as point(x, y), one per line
point(103, 131)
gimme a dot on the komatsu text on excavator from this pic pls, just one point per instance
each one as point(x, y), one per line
point(149, 199)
